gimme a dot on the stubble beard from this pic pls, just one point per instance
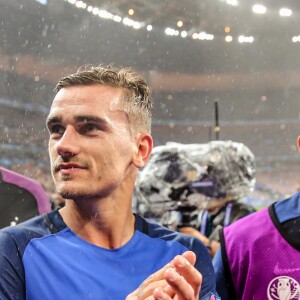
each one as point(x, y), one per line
point(76, 192)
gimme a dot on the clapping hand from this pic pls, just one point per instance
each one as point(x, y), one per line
point(178, 280)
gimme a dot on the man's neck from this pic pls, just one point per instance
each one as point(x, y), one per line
point(102, 223)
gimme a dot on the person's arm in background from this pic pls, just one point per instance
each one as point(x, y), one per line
point(211, 245)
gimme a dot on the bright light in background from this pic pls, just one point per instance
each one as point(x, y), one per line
point(149, 27)
point(136, 25)
point(117, 18)
point(95, 10)
point(44, 2)
point(296, 39)
point(228, 38)
point(183, 34)
point(245, 39)
point(263, 98)
point(259, 9)
point(105, 14)
point(131, 12)
point(171, 31)
point(179, 23)
point(132, 23)
point(232, 2)
point(203, 36)
point(128, 22)
point(195, 36)
point(227, 29)
point(285, 12)
point(81, 4)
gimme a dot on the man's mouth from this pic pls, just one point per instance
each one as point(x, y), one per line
point(68, 167)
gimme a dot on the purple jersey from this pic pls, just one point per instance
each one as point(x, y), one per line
point(264, 263)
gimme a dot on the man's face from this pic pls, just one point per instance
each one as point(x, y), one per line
point(90, 145)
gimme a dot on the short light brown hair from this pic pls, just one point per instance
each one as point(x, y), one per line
point(138, 100)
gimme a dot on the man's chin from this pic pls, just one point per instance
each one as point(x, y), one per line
point(72, 191)
point(73, 195)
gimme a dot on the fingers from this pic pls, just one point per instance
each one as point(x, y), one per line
point(178, 279)
point(146, 290)
point(147, 287)
point(161, 294)
point(190, 256)
point(184, 279)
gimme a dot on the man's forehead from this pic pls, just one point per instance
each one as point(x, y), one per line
point(92, 91)
point(90, 97)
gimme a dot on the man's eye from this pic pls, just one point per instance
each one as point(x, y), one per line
point(57, 129)
point(88, 128)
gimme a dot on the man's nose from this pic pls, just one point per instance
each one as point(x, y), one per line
point(68, 145)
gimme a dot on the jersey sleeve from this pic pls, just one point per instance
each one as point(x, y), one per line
point(205, 267)
point(225, 287)
point(220, 275)
point(12, 278)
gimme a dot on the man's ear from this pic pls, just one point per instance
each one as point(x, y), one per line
point(298, 142)
point(144, 148)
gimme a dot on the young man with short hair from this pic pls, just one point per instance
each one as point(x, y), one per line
point(95, 247)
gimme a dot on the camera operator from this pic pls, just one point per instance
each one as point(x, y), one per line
point(218, 214)
point(197, 189)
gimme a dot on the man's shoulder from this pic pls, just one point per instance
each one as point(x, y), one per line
point(288, 208)
point(20, 235)
point(156, 230)
point(13, 244)
point(285, 209)
point(203, 262)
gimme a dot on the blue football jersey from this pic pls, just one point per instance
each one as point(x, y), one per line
point(44, 259)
